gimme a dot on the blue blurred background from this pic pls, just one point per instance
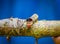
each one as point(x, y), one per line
point(46, 9)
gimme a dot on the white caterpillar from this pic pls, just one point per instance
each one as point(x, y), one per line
point(12, 22)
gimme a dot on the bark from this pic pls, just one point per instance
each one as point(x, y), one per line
point(47, 28)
